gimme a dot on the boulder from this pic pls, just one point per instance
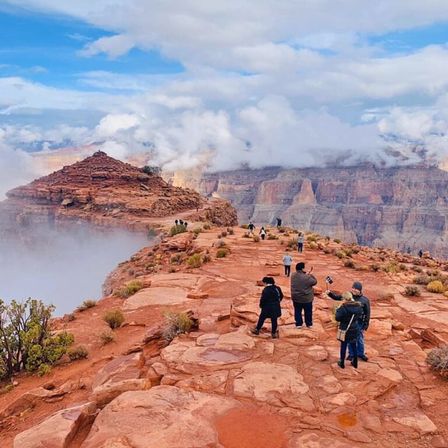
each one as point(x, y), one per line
point(276, 384)
point(164, 416)
point(58, 430)
point(419, 422)
point(107, 392)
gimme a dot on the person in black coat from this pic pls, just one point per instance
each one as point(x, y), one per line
point(270, 300)
point(349, 316)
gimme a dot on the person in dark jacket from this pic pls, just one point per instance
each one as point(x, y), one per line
point(365, 303)
point(350, 318)
point(270, 300)
point(302, 295)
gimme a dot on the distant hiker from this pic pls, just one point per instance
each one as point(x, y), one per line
point(302, 295)
point(181, 222)
point(279, 222)
point(185, 224)
point(365, 320)
point(300, 241)
point(270, 300)
point(349, 315)
point(262, 233)
point(420, 253)
point(176, 222)
point(251, 228)
point(287, 262)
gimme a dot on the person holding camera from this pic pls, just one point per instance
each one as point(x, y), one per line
point(349, 315)
point(302, 295)
point(358, 296)
point(270, 300)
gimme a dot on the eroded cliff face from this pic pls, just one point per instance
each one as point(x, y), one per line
point(108, 193)
point(404, 208)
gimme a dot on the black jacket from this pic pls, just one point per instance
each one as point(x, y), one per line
point(270, 301)
point(345, 313)
point(364, 301)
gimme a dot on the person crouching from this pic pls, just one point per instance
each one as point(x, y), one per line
point(270, 300)
point(349, 315)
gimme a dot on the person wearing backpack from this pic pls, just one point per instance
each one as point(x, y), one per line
point(349, 315)
point(270, 300)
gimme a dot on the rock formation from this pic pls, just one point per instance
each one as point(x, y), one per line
point(106, 192)
point(402, 207)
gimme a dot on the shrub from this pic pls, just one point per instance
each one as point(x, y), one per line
point(220, 243)
point(327, 250)
point(207, 226)
point(375, 267)
point(349, 264)
point(76, 353)
point(417, 269)
point(412, 291)
point(151, 233)
point(435, 286)
point(175, 230)
point(177, 258)
point(223, 234)
point(272, 237)
point(391, 267)
point(26, 341)
point(152, 170)
point(175, 324)
point(107, 336)
point(256, 239)
point(312, 245)
point(197, 230)
point(292, 243)
point(438, 360)
point(114, 318)
point(86, 305)
point(337, 240)
point(130, 288)
point(195, 261)
point(244, 226)
point(403, 267)
point(312, 238)
point(421, 279)
point(43, 369)
point(206, 258)
point(340, 254)
point(222, 253)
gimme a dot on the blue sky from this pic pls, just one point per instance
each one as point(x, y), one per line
point(195, 81)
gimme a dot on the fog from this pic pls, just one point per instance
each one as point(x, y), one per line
point(62, 267)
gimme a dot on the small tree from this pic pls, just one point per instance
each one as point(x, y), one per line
point(26, 341)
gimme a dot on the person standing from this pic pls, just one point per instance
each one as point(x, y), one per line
point(262, 233)
point(300, 242)
point(358, 296)
point(287, 262)
point(251, 228)
point(270, 300)
point(302, 295)
point(349, 315)
point(279, 222)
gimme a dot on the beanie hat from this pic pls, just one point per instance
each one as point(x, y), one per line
point(357, 285)
point(300, 266)
point(268, 280)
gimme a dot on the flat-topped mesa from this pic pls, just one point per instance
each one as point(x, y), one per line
point(108, 192)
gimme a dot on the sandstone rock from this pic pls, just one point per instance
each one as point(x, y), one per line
point(156, 296)
point(58, 430)
point(107, 392)
point(329, 384)
point(164, 416)
point(390, 374)
point(380, 329)
point(339, 400)
point(197, 295)
point(317, 352)
point(313, 440)
point(236, 340)
point(276, 384)
point(419, 422)
point(26, 401)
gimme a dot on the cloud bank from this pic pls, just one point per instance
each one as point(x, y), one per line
point(295, 83)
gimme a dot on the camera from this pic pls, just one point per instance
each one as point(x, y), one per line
point(328, 280)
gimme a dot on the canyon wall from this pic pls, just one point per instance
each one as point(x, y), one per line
point(403, 207)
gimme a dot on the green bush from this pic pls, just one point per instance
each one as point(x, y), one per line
point(337, 240)
point(43, 369)
point(175, 324)
point(417, 269)
point(76, 353)
point(26, 341)
point(340, 254)
point(207, 226)
point(349, 264)
point(113, 318)
point(437, 359)
point(312, 238)
point(412, 291)
point(435, 286)
point(375, 267)
point(107, 336)
point(312, 245)
point(222, 253)
point(392, 267)
point(292, 243)
point(86, 305)
point(178, 228)
point(130, 288)
point(195, 261)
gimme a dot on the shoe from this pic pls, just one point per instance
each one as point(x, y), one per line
point(349, 358)
point(299, 327)
point(364, 358)
point(354, 363)
point(255, 331)
point(275, 335)
point(341, 364)
point(309, 326)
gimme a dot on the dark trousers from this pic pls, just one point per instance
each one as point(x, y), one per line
point(263, 317)
point(287, 270)
point(352, 345)
point(300, 247)
point(308, 308)
point(262, 236)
